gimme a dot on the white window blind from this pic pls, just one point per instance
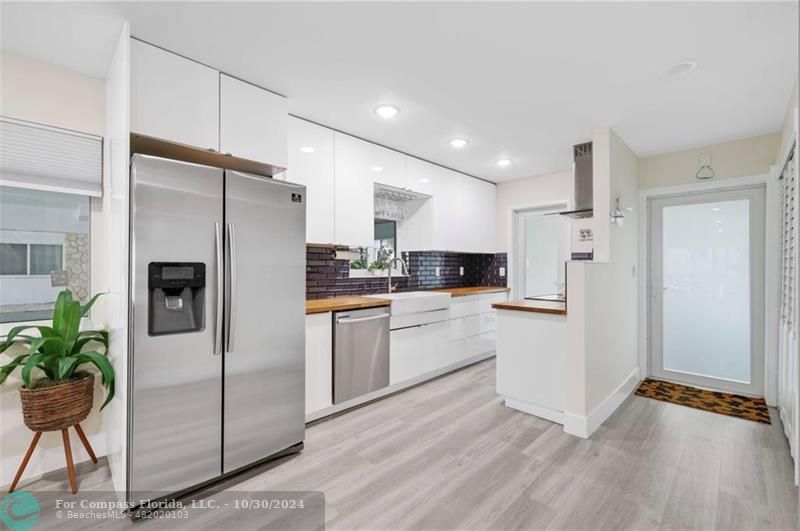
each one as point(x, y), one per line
point(46, 158)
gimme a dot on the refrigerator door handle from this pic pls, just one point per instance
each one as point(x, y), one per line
point(230, 300)
point(219, 291)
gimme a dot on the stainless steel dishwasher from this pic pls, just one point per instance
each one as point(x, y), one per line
point(360, 352)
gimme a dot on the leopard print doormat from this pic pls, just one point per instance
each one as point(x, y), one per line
point(744, 407)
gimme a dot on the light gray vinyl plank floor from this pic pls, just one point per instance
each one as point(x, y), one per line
point(448, 455)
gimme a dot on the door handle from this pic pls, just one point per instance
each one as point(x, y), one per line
point(346, 320)
point(229, 294)
point(220, 282)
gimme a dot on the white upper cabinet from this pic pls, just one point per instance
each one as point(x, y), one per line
point(253, 122)
point(420, 175)
point(478, 210)
point(311, 163)
point(448, 217)
point(173, 98)
point(354, 195)
point(388, 167)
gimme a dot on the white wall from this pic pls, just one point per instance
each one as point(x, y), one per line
point(740, 158)
point(115, 208)
point(602, 299)
point(45, 93)
point(788, 132)
point(525, 193)
point(41, 92)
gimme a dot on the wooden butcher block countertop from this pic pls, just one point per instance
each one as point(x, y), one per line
point(463, 292)
point(335, 304)
point(554, 307)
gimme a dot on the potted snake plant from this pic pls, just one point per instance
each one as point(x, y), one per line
point(63, 396)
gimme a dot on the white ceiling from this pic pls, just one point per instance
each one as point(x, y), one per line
point(523, 81)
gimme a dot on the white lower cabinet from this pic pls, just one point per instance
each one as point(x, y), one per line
point(319, 361)
point(405, 354)
point(436, 352)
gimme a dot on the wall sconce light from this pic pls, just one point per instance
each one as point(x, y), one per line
point(705, 171)
point(618, 214)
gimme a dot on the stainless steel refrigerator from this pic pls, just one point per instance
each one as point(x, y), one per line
point(217, 353)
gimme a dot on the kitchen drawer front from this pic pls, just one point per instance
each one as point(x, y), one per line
point(472, 325)
point(436, 351)
point(488, 322)
point(486, 300)
point(414, 319)
point(405, 354)
point(463, 306)
point(480, 344)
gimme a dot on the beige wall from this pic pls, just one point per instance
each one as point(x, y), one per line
point(45, 93)
point(525, 193)
point(740, 158)
point(788, 128)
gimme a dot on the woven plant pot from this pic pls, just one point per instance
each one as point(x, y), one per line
point(54, 406)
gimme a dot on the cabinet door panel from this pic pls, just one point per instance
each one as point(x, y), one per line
point(448, 220)
point(253, 122)
point(388, 167)
point(435, 340)
point(311, 163)
point(420, 175)
point(405, 355)
point(354, 195)
point(173, 98)
point(479, 215)
point(319, 361)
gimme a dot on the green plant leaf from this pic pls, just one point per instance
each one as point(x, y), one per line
point(72, 325)
point(8, 368)
point(31, 362)
point(63, 302)
point(19, 340)
point(87, 336)
point(66, 367)
point(106, 371)
point(88, 306)
point(39, 343)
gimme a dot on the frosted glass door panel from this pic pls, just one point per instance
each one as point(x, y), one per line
point(706, 284)
point(706, 276)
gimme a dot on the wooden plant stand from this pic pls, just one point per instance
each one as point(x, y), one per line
point(73, 481)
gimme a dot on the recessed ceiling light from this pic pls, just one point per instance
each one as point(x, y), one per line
point(386, 111)
point(424, 180)
point(503, 162)
point(377, 169)
point(717, 221)
point(715, 209)
point(307, 149)
point(459, 143)
point(680, 69)
point(720, 230)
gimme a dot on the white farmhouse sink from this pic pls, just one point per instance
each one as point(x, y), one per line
point(415, 301)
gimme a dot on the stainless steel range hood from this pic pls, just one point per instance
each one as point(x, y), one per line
point(582, 182)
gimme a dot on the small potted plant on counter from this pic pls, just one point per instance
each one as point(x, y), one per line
point(63, 397)
point(382, 260)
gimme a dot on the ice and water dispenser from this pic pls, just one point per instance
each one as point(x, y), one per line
point(176, 297)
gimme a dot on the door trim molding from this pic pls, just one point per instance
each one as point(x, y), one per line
point(771, 263)
point(513, 234)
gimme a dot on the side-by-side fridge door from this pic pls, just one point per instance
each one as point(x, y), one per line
point(265, 336)
point(176, 395)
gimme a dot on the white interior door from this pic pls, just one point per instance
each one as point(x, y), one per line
point(707, 290)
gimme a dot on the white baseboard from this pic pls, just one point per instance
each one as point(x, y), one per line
point(584, 427)
point(537, 411)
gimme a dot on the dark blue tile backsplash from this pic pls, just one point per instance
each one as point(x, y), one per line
point(327, 276)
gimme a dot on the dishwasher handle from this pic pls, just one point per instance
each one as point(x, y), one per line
point(349, 320)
